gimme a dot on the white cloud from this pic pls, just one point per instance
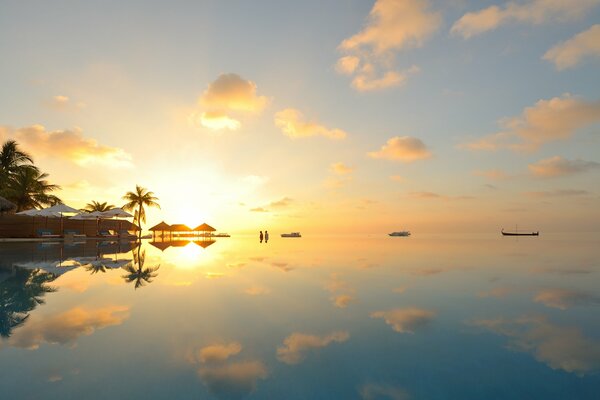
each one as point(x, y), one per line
point(546, 121)
point(339, 168)
point(527, 11)
point(67, 144)
point(569, 53)
point(392, 25)
point(402, 148)
point(294, 125)
point(233, 380)
point(217, 120)
point(559, 166)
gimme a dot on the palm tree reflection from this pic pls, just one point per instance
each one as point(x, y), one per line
point(137, 273)
point(20, 294)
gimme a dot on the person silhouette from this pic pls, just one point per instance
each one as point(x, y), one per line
point(266, 236)
point(261, 236)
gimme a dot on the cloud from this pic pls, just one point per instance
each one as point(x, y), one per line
point(436, 196)
point(340, 168)
point(294, 125)
point(405, 320)
point(218, 352)
point(258, 209)
point(64, 103)
point(228, 95)
point(570, 53)
point(548, 120)
point(398, 178)
point(66, 327)
point(343, 300)
point(69, 145)
point(558, 193)
point(493, 174)
point(234, 380)
point(402, 148)
point(284, 202)
point(558, 347)
point(392, 26)
point(558, 166)
point(297, 344)
point(564, 299)
point(230, 92)
point(374, 391)
point(528, 11)
point(341, 294)
point(257, 291)
point(217, 120)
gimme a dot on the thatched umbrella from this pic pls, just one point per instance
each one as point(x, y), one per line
point(6, 206)
point(162, 227)
point(180, 228)
point(204, 228)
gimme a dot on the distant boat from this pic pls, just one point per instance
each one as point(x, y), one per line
point(291, 235)
point(401, 233)
point(516, 233)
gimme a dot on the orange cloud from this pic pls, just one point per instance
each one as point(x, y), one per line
point(557, 346)
point(67, 144)
point(405, 320)
point(548, 120)
point(557, 193)
point(530, 11)
point(340, 168)
point(402, 148)
point(66, 327)
point(228, 94)
point(234, 380)
point(217, 120)
point(219, 352)
point(392, 25)
point(297, 344)
point(569, 54)
point(558, 166)
point(294, 125)
point(564, 298)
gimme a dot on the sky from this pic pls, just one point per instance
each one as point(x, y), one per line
point(329, 117)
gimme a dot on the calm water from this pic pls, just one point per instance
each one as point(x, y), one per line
point(426, 317)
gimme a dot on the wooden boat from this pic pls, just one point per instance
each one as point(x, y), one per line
point(520, 233)
point(400, 233)
point(291, 235)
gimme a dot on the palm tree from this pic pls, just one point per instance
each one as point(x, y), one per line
point(28, 188)
point(11, 160)
point(97, 206)
point(136, 201)
point(140, 275)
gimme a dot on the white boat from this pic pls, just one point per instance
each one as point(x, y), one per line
point(401, 233)
point(290, 235)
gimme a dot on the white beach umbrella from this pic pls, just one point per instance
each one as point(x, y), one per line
point(62, 209)
point(117, 213)
point(32, 212)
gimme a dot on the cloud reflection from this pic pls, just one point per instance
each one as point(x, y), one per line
point(564, 298)
point(296, 345)
point(405, 320)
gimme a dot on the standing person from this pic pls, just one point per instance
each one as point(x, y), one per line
point(266, 236)
point(261, 236)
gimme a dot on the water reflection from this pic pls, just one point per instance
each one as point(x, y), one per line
point(330, 317)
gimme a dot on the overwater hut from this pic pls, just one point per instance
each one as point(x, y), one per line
point(162, 228)
point(162, 246)
point(204, 229)
point(7, 206)
point(204, 243)
point(180, 229)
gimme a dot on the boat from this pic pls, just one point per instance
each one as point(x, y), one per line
point(291, 235)
point(520, 233)
point(400, 233)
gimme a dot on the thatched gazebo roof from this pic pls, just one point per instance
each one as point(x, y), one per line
point(179, 243)
point(180, 228)
point(162, 246)
point(7, 206)
point(204, 228)
point(163, 226)
point(204, 243)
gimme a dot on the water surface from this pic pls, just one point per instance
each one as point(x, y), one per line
point(321, 317)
